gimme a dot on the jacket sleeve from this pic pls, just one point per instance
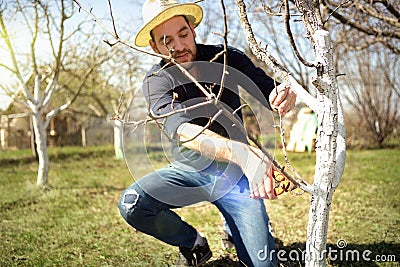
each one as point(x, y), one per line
point(158, 92)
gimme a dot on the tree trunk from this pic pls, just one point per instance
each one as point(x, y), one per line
point(330, 151)
point(32, 139)
point(41, 148)
point(118, 144)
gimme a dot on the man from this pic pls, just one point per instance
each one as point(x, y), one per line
point(213, 160)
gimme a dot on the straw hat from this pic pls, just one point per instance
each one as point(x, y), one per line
point(155, 12)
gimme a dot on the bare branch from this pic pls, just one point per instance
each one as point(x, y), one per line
point(339, 6)
point(263, 55)
point(118, 40)
point(291, 39)
point(225, 51)
point(25, 89)
point(112, 19)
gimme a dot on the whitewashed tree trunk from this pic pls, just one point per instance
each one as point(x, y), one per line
point(330, 145)
point(330, 151)
point(118, 144)
point(41, 148)
point(38, 103)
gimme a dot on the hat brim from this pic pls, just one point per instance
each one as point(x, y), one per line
point(193, 12)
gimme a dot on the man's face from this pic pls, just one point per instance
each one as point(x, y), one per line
point(176, 34)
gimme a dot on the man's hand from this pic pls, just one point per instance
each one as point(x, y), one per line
point(257, 169)
point(282, 99)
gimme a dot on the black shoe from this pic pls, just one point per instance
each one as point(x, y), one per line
point(194, 257)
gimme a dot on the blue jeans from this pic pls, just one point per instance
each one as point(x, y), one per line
point(147, 206)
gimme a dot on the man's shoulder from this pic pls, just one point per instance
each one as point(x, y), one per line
point(154, 69)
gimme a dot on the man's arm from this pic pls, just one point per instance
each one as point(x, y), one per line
point(254, 165)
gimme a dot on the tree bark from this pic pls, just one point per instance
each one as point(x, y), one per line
point(330, 145)
point(330, 150)
point(41, 148)
point(118, 144)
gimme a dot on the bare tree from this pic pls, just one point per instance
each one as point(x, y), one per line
point(330, 147)
point(108, 91)
point(39, 81)
point(372, 86)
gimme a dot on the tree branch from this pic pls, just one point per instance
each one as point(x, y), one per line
point(263, 55)
point(291, 39)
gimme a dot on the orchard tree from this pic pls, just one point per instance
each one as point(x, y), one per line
point(109, 90)
point(44, 25)
point(372, 93)
point(364, 35)
point(330, 144)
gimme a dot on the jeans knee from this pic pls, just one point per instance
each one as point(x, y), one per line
point(128, 205)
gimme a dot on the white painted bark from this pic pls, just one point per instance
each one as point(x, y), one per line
point(331, 135)
point(41, 148)
point(118, 144)
point(330, 151)
point(40, 125)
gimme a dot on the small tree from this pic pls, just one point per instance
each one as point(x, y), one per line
point(372, 85)
point(38, 81)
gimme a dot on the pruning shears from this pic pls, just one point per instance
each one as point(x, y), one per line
point(281, 183)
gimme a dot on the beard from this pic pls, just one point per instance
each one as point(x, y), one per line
point(184, 56)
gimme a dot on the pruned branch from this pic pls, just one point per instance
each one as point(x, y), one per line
point(291, 39)
point(263, 55)
point(113, 34)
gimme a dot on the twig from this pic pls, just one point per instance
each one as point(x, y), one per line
point(117, 38)
point(221, 88)
point(239, 108)
point(269, 11)
point(112, 19)
point(283, 140)
point(205, 127)
point(330, 14)
point(194, 80)
point(217, 56)
point(291, 39)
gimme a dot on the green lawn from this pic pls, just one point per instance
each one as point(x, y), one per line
point(75, 222)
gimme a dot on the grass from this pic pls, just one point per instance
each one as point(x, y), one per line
point(75, 222)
